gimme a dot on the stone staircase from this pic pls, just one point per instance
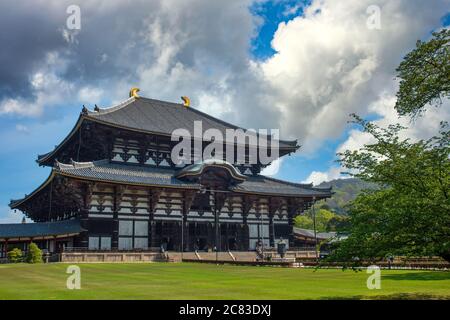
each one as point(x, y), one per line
point(226, 256)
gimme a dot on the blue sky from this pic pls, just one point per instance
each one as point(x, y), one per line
point(63, 69)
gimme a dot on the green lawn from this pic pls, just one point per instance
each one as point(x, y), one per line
point(207, 281)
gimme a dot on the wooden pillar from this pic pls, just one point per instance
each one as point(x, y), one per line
point(188, 199)
point(293, 207)
point(271, 231)
point(227, 236)
point(210, 228)
point(6, 248)
point(216, 225)
point(247, 204)
point(153, 236)
point(153, 198)
point(185, 232)
point(275, 204)
point(115, 224)
point(55, 248)
point(84, 214)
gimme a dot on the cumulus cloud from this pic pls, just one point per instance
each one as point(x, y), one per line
point(317, 177)
point(9, 216)
point(90, 94)
point(422, 128)
point(273, 168)
point(47, 88)
point(327, 62)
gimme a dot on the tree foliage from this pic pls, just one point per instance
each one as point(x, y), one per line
point(424, 75)
point(326, 220)
point(34, 254)
point(15, 255)
point(344, 191)
point(410, 213)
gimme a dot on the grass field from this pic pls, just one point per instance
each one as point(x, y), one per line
point(206, 281)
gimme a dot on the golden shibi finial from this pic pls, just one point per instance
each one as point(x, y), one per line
point(186, 101)
point(133, 92)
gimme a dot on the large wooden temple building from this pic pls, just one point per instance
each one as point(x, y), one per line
point(114, 186)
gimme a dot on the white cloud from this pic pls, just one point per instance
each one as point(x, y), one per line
point(9, 216)
point(48, 89)
point(423, 127)
point(273, 168)
point(22, 128)
point(317, 177)
point(90, 94)
point(329, 64)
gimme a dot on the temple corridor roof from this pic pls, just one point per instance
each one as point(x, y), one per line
point(123, 173)
point(40, 229)
point(105, 171)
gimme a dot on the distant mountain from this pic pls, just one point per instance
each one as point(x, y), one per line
point(345, 190)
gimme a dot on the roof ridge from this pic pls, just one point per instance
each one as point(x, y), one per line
point(303, 185)
point(125, 103)
point(73, 165)
point(296, 184)
point(112, 108)
point(233, 125)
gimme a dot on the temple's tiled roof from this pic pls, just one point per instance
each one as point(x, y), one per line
point(163, 117)
point(122, 173)
point(152, 117)
point(105, 171)
point(307, 233)
point(41, 229)
point(265, 185)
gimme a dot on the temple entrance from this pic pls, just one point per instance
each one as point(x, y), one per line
point(167, 235)
point(201, 244)
point(232, 244)
point(198, 236)
point(167, 244)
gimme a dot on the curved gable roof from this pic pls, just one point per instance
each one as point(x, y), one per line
point(154, 117)
point(150, 115)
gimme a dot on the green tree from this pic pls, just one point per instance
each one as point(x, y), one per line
point(15, 255)
point(424, 75)
point(34, 254)
point(303, 221)
point(323, 216)
point(410, 214)
point(339, 223)
point(326, 220)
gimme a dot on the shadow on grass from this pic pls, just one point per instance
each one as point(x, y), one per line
point(422, 276)
point(395, 296)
